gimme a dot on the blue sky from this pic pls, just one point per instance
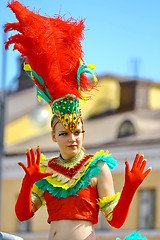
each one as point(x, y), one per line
point(119, 33)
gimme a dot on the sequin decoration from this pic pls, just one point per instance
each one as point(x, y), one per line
point(67, 111)
point(57, 165)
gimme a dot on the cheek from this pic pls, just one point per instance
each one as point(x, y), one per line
point(62, 142)
point(80, 140)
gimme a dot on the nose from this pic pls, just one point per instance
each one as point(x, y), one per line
point(72, 137)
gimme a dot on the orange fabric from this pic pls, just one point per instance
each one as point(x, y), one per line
point(84, 206)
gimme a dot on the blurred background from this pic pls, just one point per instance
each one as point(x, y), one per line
point(122, 38)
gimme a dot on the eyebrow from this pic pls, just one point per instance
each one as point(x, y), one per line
point(63, 131)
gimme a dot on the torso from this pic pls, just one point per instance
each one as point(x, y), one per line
point(71, 229)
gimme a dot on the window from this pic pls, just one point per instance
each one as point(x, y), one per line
point(147, 209)
point(126, 129)
point(154, 96)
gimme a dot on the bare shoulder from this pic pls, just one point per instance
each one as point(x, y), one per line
point(105, 171)
point(104, 181)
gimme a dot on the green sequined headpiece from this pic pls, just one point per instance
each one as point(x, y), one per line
point(66, 108)
point(67, 111)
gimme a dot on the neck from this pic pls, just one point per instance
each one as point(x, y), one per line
point(80, 154)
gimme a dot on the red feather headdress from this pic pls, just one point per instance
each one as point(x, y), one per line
point(53, 49)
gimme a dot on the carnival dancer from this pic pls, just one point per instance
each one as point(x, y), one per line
point(73, 185)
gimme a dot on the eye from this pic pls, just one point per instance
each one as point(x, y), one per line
point(63, 134)
point(77, 132)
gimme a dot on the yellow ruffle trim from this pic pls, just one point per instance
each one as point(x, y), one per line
point(43, 158)
point(59, 180)
point(102, 202)
point(100, 153)
point(40, 195)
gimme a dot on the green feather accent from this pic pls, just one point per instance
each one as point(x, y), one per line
point(40, 93)
point(43, 94)
point(39, 78)
point(83, 68)
point(134, 236)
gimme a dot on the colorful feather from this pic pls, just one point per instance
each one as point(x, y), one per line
point(53, 48)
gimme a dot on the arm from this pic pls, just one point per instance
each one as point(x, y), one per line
point(23, 206)
point(133, 179)
point(107, 197)
point(114, 208)
point(105, 185)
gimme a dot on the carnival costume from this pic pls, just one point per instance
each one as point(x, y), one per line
point(54, 62)
point(70, 186)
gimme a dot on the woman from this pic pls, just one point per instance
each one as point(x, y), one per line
point(73, 185)
point(73, 217)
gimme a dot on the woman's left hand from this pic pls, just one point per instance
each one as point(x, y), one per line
point(133, 178)
point(136, 176)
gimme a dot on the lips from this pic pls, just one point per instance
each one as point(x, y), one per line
point(72, 146)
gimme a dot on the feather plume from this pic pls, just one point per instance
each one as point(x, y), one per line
point(53, 48)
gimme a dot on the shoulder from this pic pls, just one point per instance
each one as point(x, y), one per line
point(103, 174)
point(104, 157)
point(104, 170)
point(104, 181)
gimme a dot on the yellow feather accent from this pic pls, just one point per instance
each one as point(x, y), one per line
point(95, 78)
point(32, 76)
point(105, 200)
point(84, 97)
point(81, 62)
point(40, 194)
point(101, 152)
point(27, 67)
point(39, 98)
point(91, 66)
point(43, 158)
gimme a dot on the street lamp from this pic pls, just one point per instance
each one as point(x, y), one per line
point(2, 115)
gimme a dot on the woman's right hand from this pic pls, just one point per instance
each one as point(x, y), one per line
point(33, 169)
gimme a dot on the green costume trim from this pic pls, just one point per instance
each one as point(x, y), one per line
point(134, 236)
point(84, 180)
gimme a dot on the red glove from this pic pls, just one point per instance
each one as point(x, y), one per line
point(133, 179)
point(23, 206)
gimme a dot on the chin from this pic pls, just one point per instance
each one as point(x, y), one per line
point(73, 152)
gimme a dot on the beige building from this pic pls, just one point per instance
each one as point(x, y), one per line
point(123, 117)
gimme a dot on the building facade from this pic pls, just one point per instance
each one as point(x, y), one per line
point(125, 124)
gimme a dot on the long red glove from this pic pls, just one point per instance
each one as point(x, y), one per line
point(23, 206)
point(133, 179)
